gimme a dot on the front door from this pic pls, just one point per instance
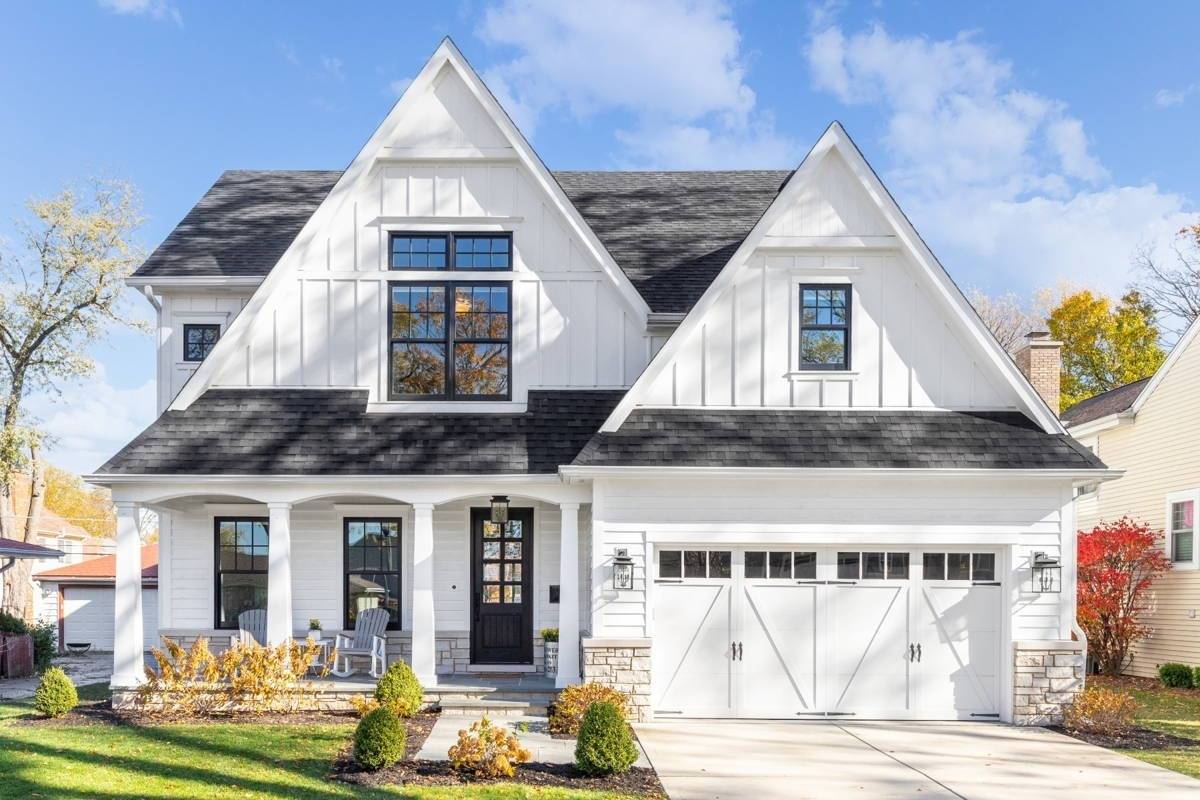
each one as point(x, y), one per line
point(502, 583)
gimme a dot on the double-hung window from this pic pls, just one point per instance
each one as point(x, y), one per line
point(450, 341)
point(1181, 528)
point(241, 561)
point(372, 568)
point(824, 326)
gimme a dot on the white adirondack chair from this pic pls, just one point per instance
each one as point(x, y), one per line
point(252, 628)
point(367, 642)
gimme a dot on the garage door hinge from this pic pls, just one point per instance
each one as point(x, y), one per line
point(993, 716)
point(827, 583)
point(985, 583)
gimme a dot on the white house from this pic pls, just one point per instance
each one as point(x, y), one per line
point(761, 457)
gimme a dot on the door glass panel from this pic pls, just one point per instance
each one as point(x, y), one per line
point(958, 566)
point(491, 593)
point(934, 566)
point(872, 566)
point(491, 572)
point(780, 565)
point(491, 530)
point(515, 529)
point(805, 566)
point(719, 564)
point(694, 564)
point(512, 573)
point(512, 594)
point(491, 550)
point(670, 564)
point(512, 550)
point(983, 566)
point(756, 565)
point(848, 566)
point(897, 566)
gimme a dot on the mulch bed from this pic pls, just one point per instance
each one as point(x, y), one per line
point(413, 772)
point(1133, 739)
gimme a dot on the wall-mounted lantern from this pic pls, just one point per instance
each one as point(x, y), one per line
point(499, 509)
point(622, 570)
point(1047, 573)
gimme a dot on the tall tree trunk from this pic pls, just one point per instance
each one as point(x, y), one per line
point(33, 521)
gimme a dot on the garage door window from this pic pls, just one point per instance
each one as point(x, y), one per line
point(241, 567)
point(783, 565)
point(694, 564)
point(872, 565)
point(959, 566)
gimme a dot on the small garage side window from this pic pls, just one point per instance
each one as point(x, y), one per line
point(241, 567)
point(782, 565)
point(695, 564)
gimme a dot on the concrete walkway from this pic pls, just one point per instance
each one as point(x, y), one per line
point(85, 669)
point(535, 736)
point(935, 760)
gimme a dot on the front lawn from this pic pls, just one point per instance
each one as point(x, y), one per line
point(245, 760)
point(1173, 711)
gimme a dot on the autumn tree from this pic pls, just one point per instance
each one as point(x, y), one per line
point(1105, 344)
point(1171, 283)
point(60, 290)
point(89, 507)
point(1006, 317)
point(1118, 564)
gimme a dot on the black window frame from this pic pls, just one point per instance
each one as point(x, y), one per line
point(845, 327)
point(451, 249)
point(189, 326)
point(449, 340)
point(398, 571)
point(218, 571)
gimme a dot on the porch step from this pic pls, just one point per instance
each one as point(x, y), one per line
point(493, 708)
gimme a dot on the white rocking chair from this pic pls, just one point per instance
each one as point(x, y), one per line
point(368, 642)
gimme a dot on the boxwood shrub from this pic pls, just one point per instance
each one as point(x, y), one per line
point(605, 744)
point(379, 739)
point(400, 690)
point(56, 694)
point(1176, 676)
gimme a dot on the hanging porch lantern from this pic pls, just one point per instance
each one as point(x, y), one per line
point(622, 570)
point(1047, 573)
point(500, 509)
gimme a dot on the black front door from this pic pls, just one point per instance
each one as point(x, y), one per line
point(502, 579)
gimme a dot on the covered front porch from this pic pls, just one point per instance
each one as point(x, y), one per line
point(467, 598)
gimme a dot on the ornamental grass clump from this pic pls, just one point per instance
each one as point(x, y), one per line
point(380, 739)
point(567, 711)
point(56, 694)
point(487, 750)
point(605, 745)
point(1176, 676)
point(1100, 710)
point(400, 690)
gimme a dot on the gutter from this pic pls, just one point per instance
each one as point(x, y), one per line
point(1079, 475)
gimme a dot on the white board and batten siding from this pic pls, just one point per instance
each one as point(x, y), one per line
point(1017, 517)
point(181, 308)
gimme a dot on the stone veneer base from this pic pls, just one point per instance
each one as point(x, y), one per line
point(623, 664)
point(1047, 677)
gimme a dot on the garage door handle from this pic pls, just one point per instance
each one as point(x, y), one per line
point(912, 653)
point(918, 654)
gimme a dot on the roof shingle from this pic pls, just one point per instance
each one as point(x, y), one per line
point(1114, 401)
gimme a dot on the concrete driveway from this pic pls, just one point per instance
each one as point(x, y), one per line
point(934, 760)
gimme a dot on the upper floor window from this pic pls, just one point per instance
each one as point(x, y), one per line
point(450, 341)
point(199, 340)
point(824, 327)
point(451, 251)
point(1182, 530)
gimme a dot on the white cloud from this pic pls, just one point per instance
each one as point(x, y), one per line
point(333, 67)
point(289, 53)
point(676, 67)
point(163, 10)
point(92, 420)
point(1165, 98)
point(1002, 180)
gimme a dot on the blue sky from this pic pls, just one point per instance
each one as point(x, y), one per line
point(1029, 142)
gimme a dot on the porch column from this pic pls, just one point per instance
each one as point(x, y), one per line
point(279, 573)
point(424, 646)
point(128, 643)
point(568, 597)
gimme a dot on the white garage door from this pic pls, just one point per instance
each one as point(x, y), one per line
point(787, 634)
point(88, 616)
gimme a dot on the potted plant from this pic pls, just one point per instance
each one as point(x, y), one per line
point(314, 629)
point(550, 639)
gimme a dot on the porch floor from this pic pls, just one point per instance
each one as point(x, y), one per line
point(474, 683)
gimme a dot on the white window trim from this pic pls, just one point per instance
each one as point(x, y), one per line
point(1169, 533)
point(181, 318)
point(796, 371)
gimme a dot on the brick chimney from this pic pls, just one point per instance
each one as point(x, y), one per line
point(1040, 361)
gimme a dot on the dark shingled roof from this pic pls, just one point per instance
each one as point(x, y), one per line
point(670, 232)
point(328, 432)
point(241, 226)
point(834, 439)
point(1114, 401)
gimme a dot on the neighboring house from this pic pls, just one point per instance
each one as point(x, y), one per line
point(12, 551)
point(1151, 430)
point(80, 600)
point(759, 456)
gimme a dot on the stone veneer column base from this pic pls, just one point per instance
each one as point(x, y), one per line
point(1047, 676)
point(623, 664)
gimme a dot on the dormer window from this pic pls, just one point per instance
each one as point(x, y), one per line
point(468, 251)
point(824, 327)
point(199, 340)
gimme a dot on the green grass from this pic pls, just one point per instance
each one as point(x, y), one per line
point(1174, 711)
point(198, 761)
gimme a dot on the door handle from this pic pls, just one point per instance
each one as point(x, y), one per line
point(912, 653)
point(918, 654)
point(740, 652)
